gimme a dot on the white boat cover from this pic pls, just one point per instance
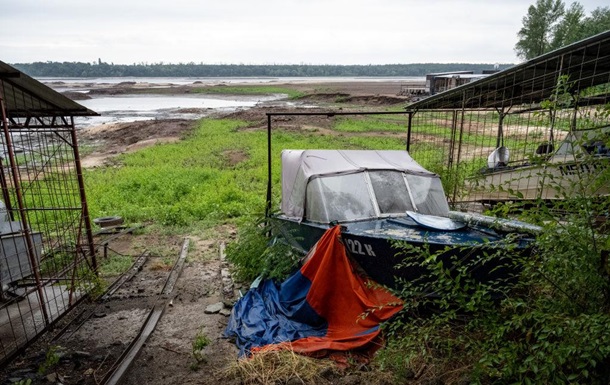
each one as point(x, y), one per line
point(301, 166)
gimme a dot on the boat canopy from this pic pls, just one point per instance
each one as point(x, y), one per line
point(351, 197)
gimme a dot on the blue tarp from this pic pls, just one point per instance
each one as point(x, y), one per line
point(319, 308)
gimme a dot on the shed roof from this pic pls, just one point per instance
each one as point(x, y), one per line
point(587, 63)
point(24, 96)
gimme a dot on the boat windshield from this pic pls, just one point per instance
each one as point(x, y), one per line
point(373, 194)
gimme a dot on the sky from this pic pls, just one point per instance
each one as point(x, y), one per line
point(263, 31)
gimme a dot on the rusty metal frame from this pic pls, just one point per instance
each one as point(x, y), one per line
point(57, 145)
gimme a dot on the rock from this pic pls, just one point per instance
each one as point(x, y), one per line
point(228, 303)
point(80, 353)
point(214, 308)
point(225, 312)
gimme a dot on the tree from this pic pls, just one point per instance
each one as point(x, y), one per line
point(538, 28)
point(548, 26)
point(570, 28)
point(598, 22)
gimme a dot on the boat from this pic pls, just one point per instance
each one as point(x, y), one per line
point(381, 197)
point(577, 167)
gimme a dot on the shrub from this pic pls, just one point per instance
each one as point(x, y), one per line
point(551, 327)
point(255, 254)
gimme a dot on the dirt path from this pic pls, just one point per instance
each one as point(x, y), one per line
point(89, 341)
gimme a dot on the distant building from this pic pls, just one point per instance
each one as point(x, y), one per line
point(439, 82)
point(443, 81)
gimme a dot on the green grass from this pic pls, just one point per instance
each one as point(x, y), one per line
point(376, 124)
point(249, 90)
point(190, 181)
point(115, 265)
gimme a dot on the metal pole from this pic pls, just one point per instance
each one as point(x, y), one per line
point(83, 197)
point(459, 154)
point(500, 138)
point(452, 142)
point(5, 192)
point(409, 128)
point(269, 183)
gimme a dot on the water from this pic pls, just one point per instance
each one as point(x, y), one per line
point(127, 108)
point(56, 82)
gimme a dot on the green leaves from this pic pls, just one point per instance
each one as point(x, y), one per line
point(548, 26)
point(550, 328)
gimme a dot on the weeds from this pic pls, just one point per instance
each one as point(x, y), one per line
point(51, 360)
point(370, 125)
point(199, 344)
point(180, 184)
point(115, 265)
point(254, 254)
point(549, 328)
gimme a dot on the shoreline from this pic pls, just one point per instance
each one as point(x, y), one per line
point(360, 86)
point(110, 139)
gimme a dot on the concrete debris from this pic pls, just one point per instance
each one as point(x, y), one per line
point(225, 312)
point(214, 308)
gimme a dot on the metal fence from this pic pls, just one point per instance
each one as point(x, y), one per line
point(47, 259)
point(538, 131)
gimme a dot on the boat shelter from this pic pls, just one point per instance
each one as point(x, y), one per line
point(47, 256)
point(527, 109)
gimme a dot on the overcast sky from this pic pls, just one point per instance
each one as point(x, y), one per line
point(263, 31)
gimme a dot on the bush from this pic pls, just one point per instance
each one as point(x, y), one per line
point(550, 327)
point(255, 254)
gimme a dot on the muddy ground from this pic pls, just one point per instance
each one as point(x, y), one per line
point(92, 335)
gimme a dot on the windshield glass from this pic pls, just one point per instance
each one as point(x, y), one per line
point(391, 192)
point(373, 194)
point(428, 195)
point(339, 198)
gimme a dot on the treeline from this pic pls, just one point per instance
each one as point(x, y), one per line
point(101, 69)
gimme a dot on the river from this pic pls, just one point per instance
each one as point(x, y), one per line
point(127, 108)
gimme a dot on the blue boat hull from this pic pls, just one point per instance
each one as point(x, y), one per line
point(372, 245)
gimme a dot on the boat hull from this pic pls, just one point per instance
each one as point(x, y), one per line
point(372, 244)
point(548, 181)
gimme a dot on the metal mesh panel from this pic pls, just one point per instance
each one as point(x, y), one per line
point(47, 260)
point(539, 132)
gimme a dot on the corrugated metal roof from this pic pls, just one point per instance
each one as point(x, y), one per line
point(587, 63)
point(462, 76)
point(26, 97)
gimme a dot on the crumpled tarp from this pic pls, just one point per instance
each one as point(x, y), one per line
point(325, 306)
